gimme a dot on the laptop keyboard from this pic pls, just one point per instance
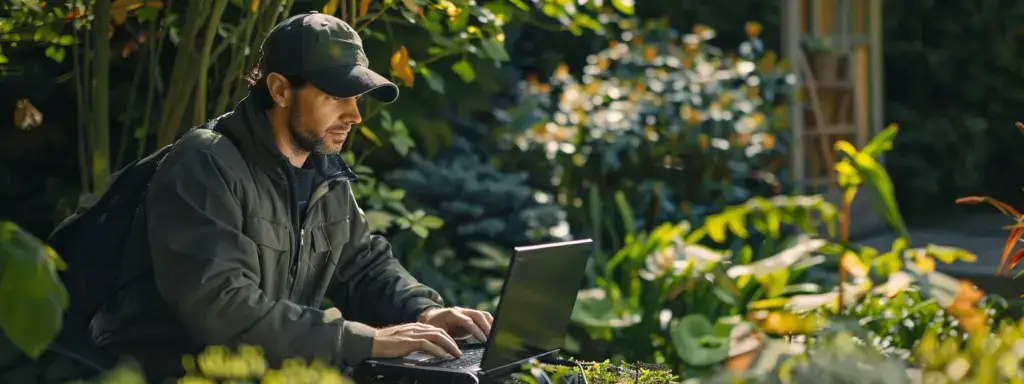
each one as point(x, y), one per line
point(469, 358)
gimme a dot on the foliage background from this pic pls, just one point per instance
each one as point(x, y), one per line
point(686, 261)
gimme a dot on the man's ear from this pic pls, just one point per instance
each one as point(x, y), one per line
point(280, 89)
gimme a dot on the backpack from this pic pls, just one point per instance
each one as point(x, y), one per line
point(93, 240)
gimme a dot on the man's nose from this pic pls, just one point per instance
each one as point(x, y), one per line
point(352, 115)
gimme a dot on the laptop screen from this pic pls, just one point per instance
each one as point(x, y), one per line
point(536, 302)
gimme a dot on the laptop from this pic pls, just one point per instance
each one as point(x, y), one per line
point(531, 321)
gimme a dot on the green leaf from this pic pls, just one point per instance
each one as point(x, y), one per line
point(431, 222)
point(628, 221)
point(881, 142)
point(379, 221)
point(434, 81)
point(464, 70)
point(950, 255)
point(148, 13)
point(595, 308)
point(695, 341)
point(883, 197)
point(775, 282)
point(366, 131)
point(520, 4)
point(737, 224)
point(624, 6)
point(3, 59)
point(66, 40)
point(494, 49)
point(420, 231)
point(493, 256)
point(400, 139)
point(586, 21)
point(56, 53)
point(32, 297)
point(715, 225)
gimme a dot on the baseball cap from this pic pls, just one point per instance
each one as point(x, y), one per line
point(328, 53)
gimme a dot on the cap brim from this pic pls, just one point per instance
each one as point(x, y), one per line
point(352, 81)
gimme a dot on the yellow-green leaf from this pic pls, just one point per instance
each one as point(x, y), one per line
point(366, 131)
point(883, 196)
point(32, 297)
point(715, 225)
point(330, 8)
point(950, 255)
point(464, 70)
point(738, 225)
point(624, 6)
point(774, 303)
point(881, 142)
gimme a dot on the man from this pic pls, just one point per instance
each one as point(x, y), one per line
point(247, 227)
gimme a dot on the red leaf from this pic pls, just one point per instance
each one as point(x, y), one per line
point(1008, 247)
point(1014, 260)
point(1006, 209)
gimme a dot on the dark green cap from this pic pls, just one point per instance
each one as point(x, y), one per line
point(328, 53)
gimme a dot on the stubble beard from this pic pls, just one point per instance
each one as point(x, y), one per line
point(305, 138)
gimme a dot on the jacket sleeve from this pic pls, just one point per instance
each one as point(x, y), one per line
point(370, 285)
point(208, 272)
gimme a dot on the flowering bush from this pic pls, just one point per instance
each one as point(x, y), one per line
point(662, 113)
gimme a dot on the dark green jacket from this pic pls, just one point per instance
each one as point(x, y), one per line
point(218, 257)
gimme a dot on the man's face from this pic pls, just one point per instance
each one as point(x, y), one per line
point(320, 123)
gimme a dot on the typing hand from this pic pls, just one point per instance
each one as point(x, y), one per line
point(459, 322)
point(401, 340)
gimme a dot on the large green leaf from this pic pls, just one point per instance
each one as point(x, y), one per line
point(696, 341)
point(779, 261)
point(594, 308)
point(883, 196)
point(32, 297)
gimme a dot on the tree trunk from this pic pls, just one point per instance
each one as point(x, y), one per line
point(100, 116)
point(204, 61)
point(183, 79)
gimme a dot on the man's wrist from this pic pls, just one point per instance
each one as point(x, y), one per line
point(426, 312)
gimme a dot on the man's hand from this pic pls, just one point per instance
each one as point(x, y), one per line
point(459, 322)
point(401, 340)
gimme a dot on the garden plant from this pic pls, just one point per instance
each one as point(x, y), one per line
point(669, 151)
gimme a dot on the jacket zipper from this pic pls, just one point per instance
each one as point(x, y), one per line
point(320, 191)
point(293, 210)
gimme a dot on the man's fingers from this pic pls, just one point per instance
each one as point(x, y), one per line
point(471, 325)
point(427, 346)
point(490, 318)
point(441, 339)
point(482, 323)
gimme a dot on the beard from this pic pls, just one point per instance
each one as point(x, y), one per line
point(305, 138)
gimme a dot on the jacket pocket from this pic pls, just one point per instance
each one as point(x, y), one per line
point(327, 242)
point(332, 238)
point(273, 244)
point(269, 234)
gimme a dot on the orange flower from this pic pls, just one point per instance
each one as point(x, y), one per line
point(753, 29)
point(650, 53)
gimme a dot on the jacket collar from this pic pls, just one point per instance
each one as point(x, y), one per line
point(249, 129)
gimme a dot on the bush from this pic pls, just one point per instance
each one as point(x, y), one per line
point(693, 299)
point(678, 125)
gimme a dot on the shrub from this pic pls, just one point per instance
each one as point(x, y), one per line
point(733, 302)
point(487, 210)
point(682, 126)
